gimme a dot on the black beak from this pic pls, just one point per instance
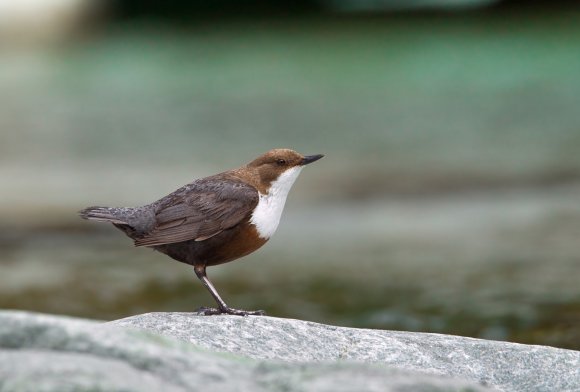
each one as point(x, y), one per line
point(311, 158)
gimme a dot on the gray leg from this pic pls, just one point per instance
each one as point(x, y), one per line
point(222, 307)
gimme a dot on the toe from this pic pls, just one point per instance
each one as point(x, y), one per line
point(204, 311)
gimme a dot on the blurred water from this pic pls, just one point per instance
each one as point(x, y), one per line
point(495, 265)
point(447, 202)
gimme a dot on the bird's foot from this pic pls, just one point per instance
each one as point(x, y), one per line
point(236, 312)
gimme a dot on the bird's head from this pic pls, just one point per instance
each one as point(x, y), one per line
point(280, 167)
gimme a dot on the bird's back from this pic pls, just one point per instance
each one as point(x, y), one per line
point(204, 205)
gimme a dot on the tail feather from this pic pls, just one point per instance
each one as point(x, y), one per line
point(102, 214)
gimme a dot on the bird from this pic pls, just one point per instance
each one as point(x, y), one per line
point(216, 219)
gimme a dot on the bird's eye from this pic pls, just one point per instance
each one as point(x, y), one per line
point(281, 162)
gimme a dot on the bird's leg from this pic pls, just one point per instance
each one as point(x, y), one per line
point(222, 307)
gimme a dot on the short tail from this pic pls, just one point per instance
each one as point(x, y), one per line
point(103, 214)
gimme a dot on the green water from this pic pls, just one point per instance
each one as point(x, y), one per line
point(447, 200)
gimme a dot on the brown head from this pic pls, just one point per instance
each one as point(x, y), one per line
point(276, 164)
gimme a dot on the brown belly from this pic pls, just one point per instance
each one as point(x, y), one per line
point(227, 246)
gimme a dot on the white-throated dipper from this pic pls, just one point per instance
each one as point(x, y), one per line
point(215, 219)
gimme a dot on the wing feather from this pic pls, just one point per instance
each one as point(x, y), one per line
point(200, 211)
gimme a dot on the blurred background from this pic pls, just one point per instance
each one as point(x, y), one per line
point(448, 200)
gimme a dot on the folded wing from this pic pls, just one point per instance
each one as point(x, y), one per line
point(200, 211)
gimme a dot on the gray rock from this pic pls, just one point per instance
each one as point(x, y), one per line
point(49, 353)
point(506, 366)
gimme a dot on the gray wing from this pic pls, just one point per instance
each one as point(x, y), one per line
point(200, 210)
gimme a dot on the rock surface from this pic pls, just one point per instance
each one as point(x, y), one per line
point(506, 366)
point(50, 353)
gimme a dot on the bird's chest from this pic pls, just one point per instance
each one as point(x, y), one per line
point(267, 213)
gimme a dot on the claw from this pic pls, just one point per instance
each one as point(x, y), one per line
point(236, 312)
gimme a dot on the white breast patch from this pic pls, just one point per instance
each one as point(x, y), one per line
point(267, 214)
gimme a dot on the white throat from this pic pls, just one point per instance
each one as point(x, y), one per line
point(267, 214)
